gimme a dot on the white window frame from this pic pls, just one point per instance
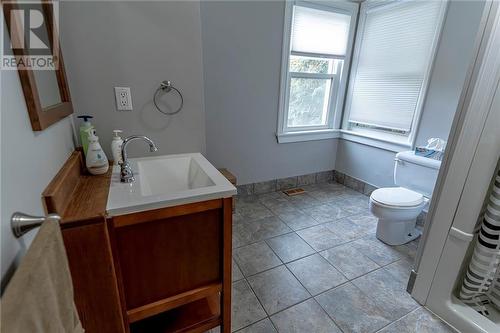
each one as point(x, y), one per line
point(380, 138)
point(337, 88)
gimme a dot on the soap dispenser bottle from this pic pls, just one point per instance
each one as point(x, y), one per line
point(96, 161)
point(116, 147)
point(84, 132)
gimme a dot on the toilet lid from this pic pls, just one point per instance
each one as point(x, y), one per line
point(397, 196)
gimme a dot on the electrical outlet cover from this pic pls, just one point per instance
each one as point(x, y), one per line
point(123, 99)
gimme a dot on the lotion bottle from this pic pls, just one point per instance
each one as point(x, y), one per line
point(96, 161)
point(84, 132)
point(116, 147)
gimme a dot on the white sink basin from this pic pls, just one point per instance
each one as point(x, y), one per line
point(165, 181)
point(171, 175)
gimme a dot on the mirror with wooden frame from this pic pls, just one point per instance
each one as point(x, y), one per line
point(46, 88)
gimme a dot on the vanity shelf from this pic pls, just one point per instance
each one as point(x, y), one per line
point(197, 316)
point(173, 302)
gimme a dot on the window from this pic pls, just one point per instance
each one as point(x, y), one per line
point(393, 56)
point(316, 51)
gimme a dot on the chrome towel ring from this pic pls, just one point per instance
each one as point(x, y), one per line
point(166, 87)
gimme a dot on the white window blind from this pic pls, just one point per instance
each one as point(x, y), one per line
point(394, 56)
point(319, 31)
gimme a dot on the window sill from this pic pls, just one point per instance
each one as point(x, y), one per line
point(307, 135)
point(362, 138)
point(372, 140)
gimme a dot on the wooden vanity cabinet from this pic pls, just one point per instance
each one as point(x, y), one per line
point(166, 270)
point(174, 266)
point(163, 270)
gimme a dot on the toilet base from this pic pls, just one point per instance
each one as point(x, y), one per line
point(398, 232)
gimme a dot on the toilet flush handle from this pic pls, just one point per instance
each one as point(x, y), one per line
point(397, 161)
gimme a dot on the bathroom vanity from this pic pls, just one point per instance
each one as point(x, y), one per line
point(152, 256)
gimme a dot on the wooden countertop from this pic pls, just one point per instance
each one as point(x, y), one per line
point(76, 195)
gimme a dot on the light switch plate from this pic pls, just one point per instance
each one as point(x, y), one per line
point(123, 99)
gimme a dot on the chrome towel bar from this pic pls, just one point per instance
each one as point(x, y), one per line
point(22, 223)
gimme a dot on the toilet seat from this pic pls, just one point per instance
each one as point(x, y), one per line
point(397, 197)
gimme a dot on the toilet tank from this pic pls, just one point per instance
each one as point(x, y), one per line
point(416, 173)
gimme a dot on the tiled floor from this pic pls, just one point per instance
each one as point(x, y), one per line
point(312, 263)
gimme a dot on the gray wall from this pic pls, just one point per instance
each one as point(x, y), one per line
point(136, 44)
point(29, 161)
point(453, 57)
point(242, 57)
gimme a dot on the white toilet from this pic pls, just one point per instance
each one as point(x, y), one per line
point(397, 208)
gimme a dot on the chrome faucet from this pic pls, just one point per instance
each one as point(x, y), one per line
point(126, 174)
